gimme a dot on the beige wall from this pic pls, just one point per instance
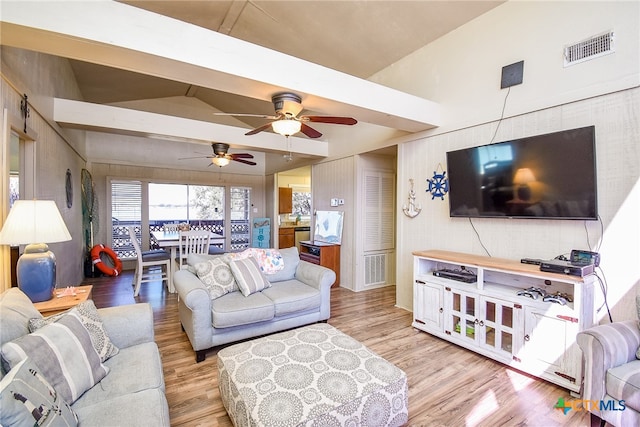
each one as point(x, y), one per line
point(42, 77)
point(462, 70)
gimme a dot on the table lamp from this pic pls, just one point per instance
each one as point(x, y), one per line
point(38, 221)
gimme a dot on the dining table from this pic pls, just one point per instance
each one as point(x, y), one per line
point(171, 240)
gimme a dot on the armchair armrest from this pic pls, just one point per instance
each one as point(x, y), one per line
point(128, 325)
point(604, 347)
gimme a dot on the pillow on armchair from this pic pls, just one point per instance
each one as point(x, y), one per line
point(64, 353)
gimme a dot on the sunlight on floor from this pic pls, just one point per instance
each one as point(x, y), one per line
point(482, 410)
point(518, 381)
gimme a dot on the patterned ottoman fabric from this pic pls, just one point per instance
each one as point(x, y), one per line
point(311, 376)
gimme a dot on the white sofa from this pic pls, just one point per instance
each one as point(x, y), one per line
point(299, 295)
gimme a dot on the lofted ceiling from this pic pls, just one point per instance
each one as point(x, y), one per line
point(358, 38)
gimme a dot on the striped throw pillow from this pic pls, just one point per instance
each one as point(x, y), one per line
point(248, 276)
point(64, 353)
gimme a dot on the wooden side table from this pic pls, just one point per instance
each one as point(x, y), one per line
point(56, 305)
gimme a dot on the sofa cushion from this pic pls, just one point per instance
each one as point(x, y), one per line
point(91, 320)
point(623, 383)
point(291, 296)
point(144, 408)
point(248, 276)
point(234, 309)
point(290, 261)
point(27, 398)
point(64, 353)
point(216, 276)
point(15, 311)
point(133, 370)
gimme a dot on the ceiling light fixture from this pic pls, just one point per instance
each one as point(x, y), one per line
point(220, 161)
point(286, 127)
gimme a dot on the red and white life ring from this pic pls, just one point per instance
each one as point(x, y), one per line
point(96, 259)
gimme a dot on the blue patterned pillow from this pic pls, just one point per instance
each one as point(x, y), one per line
point(64, 353)
point(27, 398)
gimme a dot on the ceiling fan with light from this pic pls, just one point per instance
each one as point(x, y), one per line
point(286, 121)
point(221, 157)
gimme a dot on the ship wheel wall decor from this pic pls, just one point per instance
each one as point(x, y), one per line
point(439, 184)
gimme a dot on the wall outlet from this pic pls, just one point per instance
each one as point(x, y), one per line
point(334, 202)
point(340, 202)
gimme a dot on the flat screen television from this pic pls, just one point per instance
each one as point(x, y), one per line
point(551, 176)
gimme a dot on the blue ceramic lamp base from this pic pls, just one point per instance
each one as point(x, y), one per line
point(36, 271)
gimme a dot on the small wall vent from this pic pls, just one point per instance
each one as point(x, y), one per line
point(591, 48)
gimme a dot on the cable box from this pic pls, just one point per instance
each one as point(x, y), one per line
point(566, 267)
point(458, 275)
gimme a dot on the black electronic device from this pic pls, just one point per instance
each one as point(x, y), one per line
point(579, 257)
point(566, 267)
point(459, 275)
point(526, 178)
point(532, 261)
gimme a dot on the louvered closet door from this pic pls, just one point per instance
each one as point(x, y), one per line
point(379, 195)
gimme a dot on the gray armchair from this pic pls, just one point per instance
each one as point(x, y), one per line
point(612, 373)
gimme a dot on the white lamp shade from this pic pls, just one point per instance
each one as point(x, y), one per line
point(286, 127)
point(34, 221)
point(523, 176)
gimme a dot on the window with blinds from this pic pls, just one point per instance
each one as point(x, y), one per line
point(126, 210)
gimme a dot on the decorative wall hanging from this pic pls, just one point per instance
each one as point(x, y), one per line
point(68, 188)
point(24, 109)
point(439, 184)
point(411, 210)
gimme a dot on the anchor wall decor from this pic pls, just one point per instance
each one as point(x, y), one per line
point(411, 210)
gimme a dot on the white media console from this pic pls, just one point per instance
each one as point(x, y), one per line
point(490, 318)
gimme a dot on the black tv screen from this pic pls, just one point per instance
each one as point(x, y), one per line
point(551, 176)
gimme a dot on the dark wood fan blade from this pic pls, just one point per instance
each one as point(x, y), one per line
point(247, 162)
point(330, 119)
point(242, 156)
point(259, 129)
point(309, 131)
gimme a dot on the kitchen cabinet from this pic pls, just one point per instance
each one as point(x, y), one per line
point(286, 237)
point(285, 200)
point(324, 254)
point(489, 317)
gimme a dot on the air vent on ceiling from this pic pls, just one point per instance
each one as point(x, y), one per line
point(591, 48)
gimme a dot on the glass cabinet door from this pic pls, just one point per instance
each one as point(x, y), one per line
point(462, 314)
point(497, 326)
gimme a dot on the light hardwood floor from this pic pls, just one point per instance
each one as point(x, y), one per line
point(448, 385)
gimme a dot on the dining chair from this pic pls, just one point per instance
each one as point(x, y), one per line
point(192, 242)
point(147, 260)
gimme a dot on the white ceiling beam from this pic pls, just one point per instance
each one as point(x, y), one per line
point(121, 36)
point(97, 117)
